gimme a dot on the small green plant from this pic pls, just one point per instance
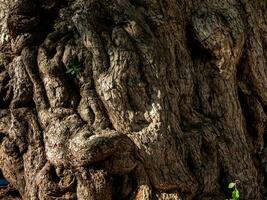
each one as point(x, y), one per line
point(73, 67)
point(235, 192)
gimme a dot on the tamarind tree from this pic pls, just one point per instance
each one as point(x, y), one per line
point(131, 99)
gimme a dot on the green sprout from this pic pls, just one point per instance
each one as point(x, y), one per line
point(235, 192)
point(73, 67)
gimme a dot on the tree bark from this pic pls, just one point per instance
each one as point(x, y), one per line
point(164, 100)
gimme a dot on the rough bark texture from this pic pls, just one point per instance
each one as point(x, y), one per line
point(170, 101)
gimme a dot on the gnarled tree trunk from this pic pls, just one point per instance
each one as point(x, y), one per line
point(131, 99)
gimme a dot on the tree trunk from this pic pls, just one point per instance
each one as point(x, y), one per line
point(131, 99)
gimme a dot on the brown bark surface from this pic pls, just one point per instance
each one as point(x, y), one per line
point(169, 100)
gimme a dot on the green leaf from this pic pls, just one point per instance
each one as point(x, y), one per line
point(235, 194)
point(231, 185)
point(73, 67)
point(69, 71)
